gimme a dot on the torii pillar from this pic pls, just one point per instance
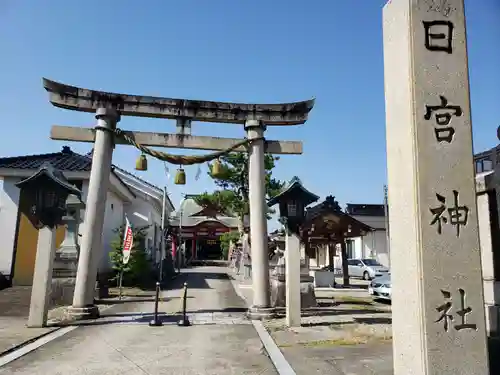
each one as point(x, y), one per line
point(90, 251)
point(261, 307)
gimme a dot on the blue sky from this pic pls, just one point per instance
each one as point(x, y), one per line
point(258, 51)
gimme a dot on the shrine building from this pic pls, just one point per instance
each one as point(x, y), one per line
point(200, 228)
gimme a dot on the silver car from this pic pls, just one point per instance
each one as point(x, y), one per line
point(366, 268)
point(380, 287)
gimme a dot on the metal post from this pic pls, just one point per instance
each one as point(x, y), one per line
point(184, 322)
point(120, 284)
point(156, 322)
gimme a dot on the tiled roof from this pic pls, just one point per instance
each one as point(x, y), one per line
point(189, 208)
point(66, 160)
point(365, 209)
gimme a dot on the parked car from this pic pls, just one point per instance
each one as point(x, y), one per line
point(380, 287)
point(366, 268)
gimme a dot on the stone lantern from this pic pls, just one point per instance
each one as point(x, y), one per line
point(50, 190)
point(66, 259)
point(292, 288)
point(69, 249)
point(292, 202)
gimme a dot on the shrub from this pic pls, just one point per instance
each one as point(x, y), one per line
point(138, 270)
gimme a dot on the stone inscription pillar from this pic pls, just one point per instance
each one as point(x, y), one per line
point(437, 290)
point(258, 220)
point(292, 277)
point(91, 246)
point(42, 278)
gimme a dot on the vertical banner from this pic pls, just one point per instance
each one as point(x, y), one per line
point(128, 241)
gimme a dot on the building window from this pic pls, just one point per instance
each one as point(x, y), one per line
point(483, 165)
point(350, 248)
point(487, 165)
point(313, 252)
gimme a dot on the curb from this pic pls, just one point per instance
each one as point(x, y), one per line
point(277, 358)
point(27, 342)
point(273, 351)
point(10, 354)
point(31, 345)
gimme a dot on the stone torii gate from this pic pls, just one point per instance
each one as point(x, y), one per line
point(109, 107)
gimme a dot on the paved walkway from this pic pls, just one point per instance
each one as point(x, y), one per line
point(346, 335)
point(221, 341)
point(14, 309)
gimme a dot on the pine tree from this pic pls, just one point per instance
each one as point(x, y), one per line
point(232, 181)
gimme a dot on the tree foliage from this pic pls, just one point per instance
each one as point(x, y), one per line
point(138, 267)
point(225, 241)
point(231, 197)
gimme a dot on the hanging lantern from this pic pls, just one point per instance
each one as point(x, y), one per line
point(216, 169)
point(180, 177)
point(141, 163)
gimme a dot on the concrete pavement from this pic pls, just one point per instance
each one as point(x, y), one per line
point(14, 308)
point(221, 341)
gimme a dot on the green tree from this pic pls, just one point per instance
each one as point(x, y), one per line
point(232, 181)
point(225, 241)
point(138, 268)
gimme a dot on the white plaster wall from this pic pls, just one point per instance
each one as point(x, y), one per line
point(113, 219)
point(373, 245)
point(142, 213)
point(85, 190)
point(9, 200)
point(377, 222)
point(380, 247)
point(357, 248)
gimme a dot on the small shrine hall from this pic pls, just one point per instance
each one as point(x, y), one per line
point(200, 229)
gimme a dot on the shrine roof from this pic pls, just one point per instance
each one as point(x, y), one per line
point(327, 218)
point(189, 209)
point(294, 187)
point(87, 100)
point(47, 171)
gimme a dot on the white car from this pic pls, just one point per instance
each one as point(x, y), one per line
point(366, 268)
point(380, 287)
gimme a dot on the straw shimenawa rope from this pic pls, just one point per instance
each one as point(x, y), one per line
point(176, 159)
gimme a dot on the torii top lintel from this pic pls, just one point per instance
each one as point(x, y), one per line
point(85, 100)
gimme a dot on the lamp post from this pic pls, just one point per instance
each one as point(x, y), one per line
point(50, 191)
point(292, 202)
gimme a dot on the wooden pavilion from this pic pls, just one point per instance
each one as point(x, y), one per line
point(327, 224)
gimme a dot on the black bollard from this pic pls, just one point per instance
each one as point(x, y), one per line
point(156, 322)
point(184, 322)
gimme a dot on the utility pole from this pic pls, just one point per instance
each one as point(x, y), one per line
point(162, 243)
point(179, 250)
point(387, 231)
